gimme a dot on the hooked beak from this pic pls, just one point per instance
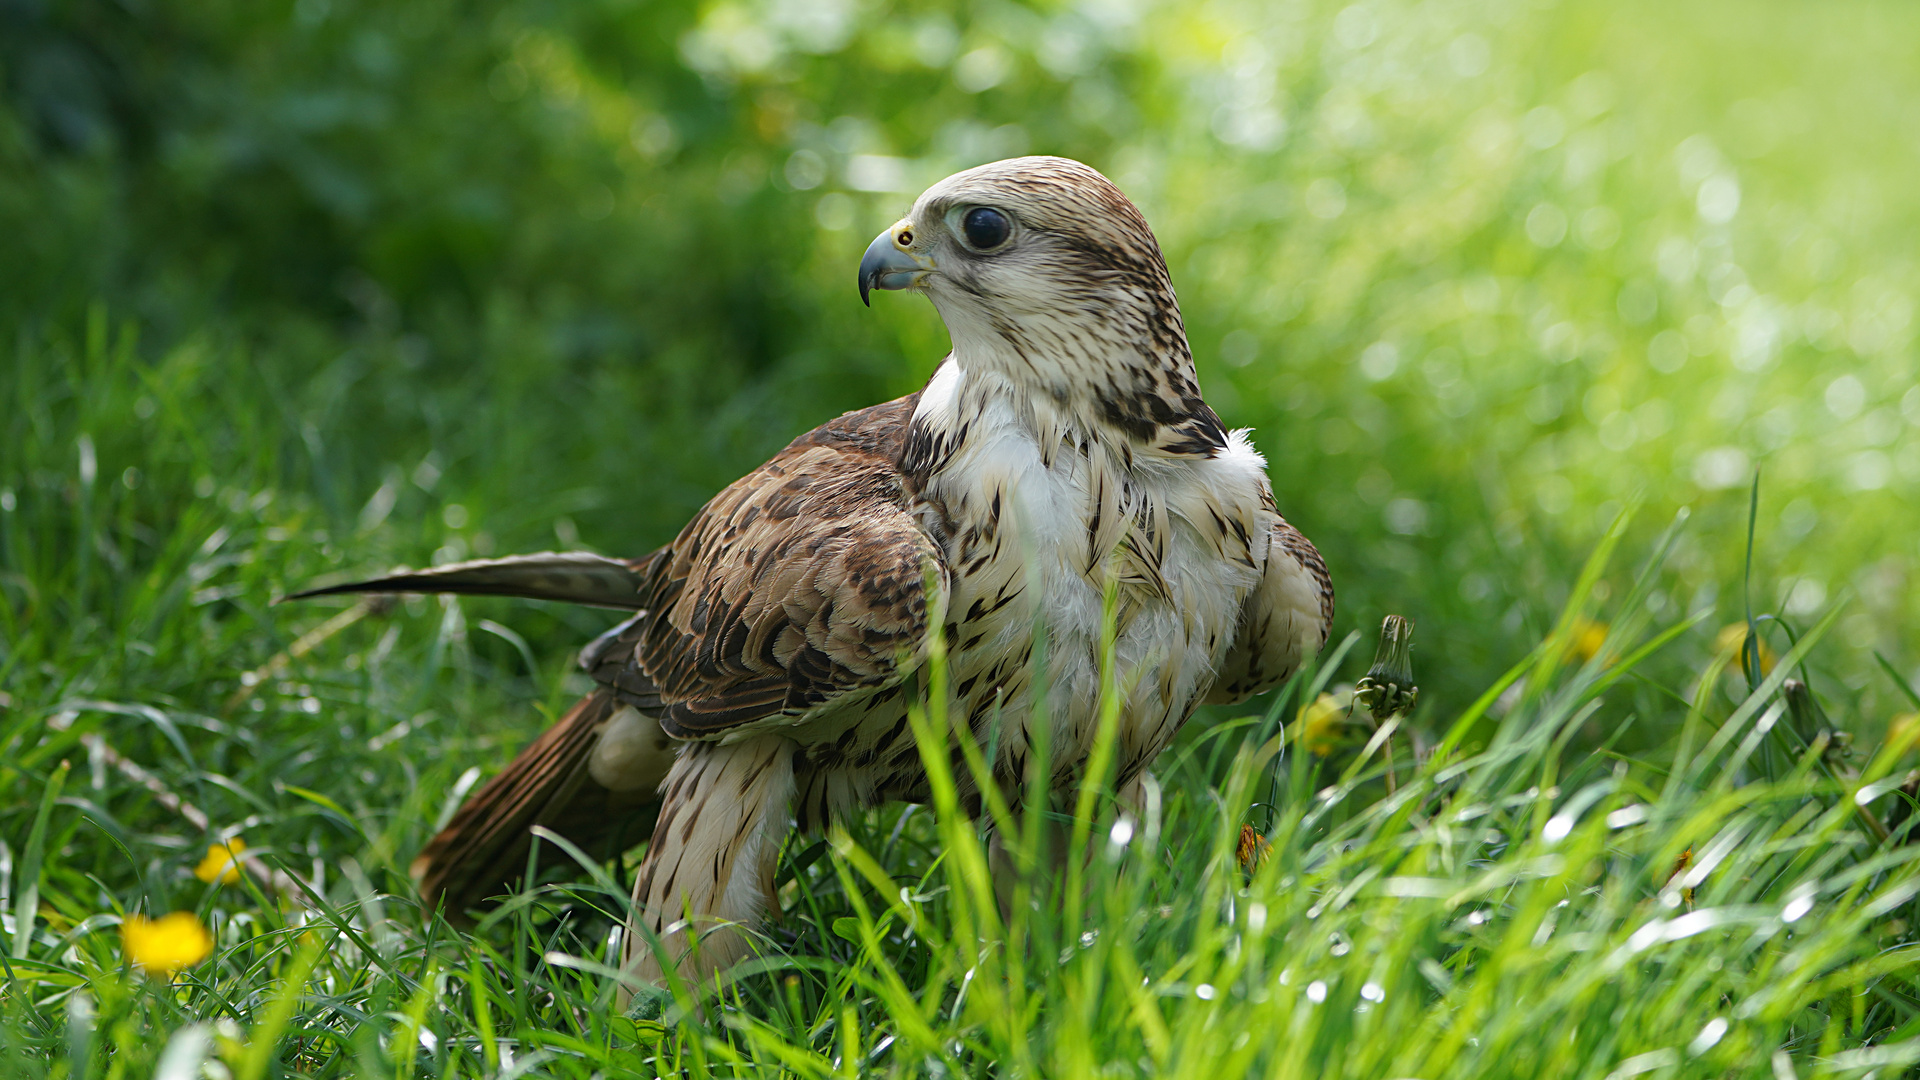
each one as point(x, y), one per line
point(888, 265)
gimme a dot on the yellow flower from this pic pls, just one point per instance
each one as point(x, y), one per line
point(167, 944)
point(222, 863)
point(1252, 849)
point(1680, 866)
point(1588, 636)
point(1319, 722)
point(1730, 639)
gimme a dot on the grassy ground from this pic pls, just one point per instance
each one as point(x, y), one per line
point(331, 289)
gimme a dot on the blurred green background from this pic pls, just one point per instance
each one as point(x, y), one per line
point(294, 289)
point(297, 290)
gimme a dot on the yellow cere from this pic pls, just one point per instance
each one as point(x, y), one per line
point(167, 944)
point(222, 863)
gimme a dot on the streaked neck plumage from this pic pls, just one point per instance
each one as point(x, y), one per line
point(1117, 371)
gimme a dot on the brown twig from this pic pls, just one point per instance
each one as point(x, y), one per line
point(167, 797)
point(251, 682)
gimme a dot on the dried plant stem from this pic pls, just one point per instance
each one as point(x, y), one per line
point(250, 682)
point(277, 882)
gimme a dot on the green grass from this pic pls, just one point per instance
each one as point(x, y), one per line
point(305, 290)
point(1507, 910)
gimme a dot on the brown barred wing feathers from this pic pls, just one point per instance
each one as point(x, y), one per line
point(800, 584)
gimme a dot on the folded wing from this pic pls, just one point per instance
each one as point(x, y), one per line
point(802, 583)
point(1284, 620)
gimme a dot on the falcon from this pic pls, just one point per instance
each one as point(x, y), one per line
point(1059, 455)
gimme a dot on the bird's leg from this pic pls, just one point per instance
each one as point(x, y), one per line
point(707, 874)
point(1005, 873)
point(1051, 861)
point(1005, 860)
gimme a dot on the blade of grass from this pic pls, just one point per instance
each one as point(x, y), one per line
point(27, 884)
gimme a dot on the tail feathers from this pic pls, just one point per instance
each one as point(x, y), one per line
point(482, 853)
point(575, 577)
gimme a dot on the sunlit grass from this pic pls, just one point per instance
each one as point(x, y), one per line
point(398, 283)
point(1525, 902)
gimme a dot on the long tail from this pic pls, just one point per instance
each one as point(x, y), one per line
point(575, 577)
point(560, 782)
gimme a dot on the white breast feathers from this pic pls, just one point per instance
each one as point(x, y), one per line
point(1042, 516)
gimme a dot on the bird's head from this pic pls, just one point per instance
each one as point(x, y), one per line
point(1046, 275)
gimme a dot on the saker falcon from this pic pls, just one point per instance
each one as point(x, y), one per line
point(763, 681)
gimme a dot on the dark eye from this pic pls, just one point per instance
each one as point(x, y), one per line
point(986, 228)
